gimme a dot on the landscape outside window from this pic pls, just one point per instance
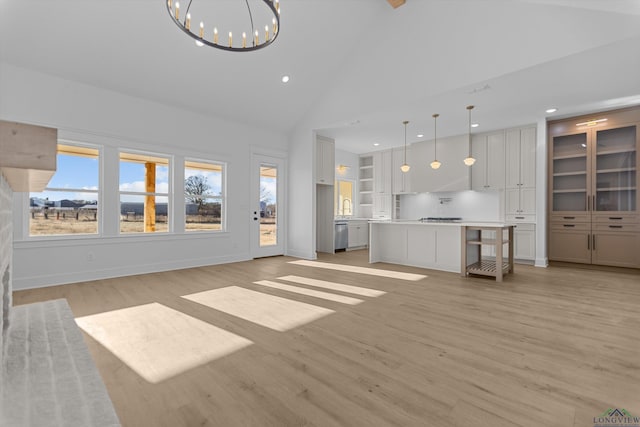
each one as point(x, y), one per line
point(69, 203)
point(204, 196)
point(144, 193)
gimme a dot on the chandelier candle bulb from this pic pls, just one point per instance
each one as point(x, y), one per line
point(257, 39)
point(169, 3)
point(215, 35)
point(201, 29)
point(230, 39)
point(266, 32)
point(244, 39)
point(188, 22)
point(275, 27)
point(177, 10)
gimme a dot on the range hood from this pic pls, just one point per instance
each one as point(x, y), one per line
point(27, 155)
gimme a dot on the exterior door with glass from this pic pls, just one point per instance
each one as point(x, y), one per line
point(267, 237)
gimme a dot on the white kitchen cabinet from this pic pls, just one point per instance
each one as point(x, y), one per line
point(488, 172)
point(520, 164)
point(453, 175)
point(382, 174)
point(325, 160)
point(525, 242)
point(358, 234)
point(401, 181)
point(382, 205)
point(420, 245)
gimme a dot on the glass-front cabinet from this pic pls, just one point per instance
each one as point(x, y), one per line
point(593, 189)
point(570, 169)
point(615, 170)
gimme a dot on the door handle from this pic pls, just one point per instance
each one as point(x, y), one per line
point(588, 242)
point(255, 218)
point(594, 242)
point(568, 225)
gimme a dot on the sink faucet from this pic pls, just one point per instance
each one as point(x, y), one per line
point(344, 203)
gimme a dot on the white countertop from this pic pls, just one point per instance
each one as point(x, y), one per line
point(444, 223)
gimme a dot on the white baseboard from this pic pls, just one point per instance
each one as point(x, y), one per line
point(43, 281)
point(301, 254)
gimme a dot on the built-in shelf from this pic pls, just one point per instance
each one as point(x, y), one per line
point(574, 190)
point(570, 156)
point(615, 170)
point(629, 150)
point(570, 173)
point(615, 189)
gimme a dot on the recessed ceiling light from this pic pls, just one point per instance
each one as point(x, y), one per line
point(551, 110)
point(375, 144)
point(475, 125)
point(419, 135)
point(285, 79)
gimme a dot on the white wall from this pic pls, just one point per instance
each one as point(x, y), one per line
point(468, 205)
point(112, 120)
point(301, 236)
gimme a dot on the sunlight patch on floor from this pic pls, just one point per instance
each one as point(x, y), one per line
point(266, 310)
point(158, 342)
point(310, 292)
point(362, 270)
point(356, 290)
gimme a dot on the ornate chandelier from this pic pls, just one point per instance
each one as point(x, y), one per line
point(245, 43)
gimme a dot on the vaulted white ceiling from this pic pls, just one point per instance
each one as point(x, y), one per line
point(358, 67)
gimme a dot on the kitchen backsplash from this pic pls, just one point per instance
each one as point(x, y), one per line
point(468, 205)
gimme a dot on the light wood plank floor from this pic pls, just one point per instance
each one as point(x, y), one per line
point(547, 347)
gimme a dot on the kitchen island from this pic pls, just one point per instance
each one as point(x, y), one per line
point(434, 245)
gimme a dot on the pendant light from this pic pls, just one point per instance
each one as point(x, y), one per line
point(469, 161)
point(435, 164)
point(405, 167)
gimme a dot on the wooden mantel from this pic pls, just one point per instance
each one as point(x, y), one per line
point(27, 155)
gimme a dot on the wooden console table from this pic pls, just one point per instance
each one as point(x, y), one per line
point(472, 242)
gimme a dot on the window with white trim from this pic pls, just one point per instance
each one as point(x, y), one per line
point(144, 193)
point(204, 196)
point(69, 203)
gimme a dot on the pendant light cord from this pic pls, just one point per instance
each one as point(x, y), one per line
point(405, 142)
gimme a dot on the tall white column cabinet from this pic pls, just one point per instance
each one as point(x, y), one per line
point(520, 168)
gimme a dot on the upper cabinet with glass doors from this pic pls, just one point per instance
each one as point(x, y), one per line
point(594, 166)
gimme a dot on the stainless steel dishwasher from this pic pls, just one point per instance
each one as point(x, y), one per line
point(341, 236)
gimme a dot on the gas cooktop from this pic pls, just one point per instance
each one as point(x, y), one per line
point(440, 219)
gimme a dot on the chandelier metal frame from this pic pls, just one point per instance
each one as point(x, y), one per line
point(185, 26)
